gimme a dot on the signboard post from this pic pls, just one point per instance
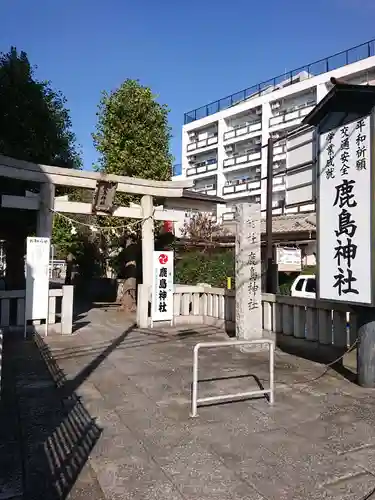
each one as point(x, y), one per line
point(345, 209)
point(288, 259)
point(37, 280)
point(162, 287)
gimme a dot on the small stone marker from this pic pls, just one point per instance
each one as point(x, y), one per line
point(248, 273)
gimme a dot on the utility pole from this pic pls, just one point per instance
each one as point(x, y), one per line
point(269, 247)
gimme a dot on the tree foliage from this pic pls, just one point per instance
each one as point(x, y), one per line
point(201, 227)
point(132, 138)
point(35, 126)
point(132, 133)
point(211, 267)
point(34, 122)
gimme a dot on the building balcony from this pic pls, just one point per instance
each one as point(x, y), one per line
point(279, 149)
point(241, 187)
point(202, 167)
point(278, 183)
point(202, 143)
point(243, 159)
point(294, 113)
point(243, 130)
point(210, 189)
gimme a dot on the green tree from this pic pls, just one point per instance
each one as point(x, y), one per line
point(34, 126)
point(132, 138)
point(34, 122)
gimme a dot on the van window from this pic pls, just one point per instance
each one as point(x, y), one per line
point(299, 285)
point(311, 285)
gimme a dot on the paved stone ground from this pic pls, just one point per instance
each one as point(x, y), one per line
point(118, 425)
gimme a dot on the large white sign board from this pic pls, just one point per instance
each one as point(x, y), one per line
point(37, 278)
point(344, 210)
point(162, 286)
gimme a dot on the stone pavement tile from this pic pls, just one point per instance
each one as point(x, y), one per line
point(134, 477)
point(104, 417)
point(89, 392)
point(286, 446)
point(86, 486)
point(289, 409)
point(198, 473)
point(161, 388)
point(352, 486)
point(337, 432)
point(112, 447)
point(364, 457)
point(239, 414)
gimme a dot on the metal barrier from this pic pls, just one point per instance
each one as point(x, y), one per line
point(228, 343)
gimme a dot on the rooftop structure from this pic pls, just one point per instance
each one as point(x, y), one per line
point(223, 143)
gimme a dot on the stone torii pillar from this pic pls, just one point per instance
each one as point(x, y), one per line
point(148, 246)
point(45, 213)
point(147, 206)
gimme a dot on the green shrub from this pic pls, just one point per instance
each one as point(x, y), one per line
point(212, 268)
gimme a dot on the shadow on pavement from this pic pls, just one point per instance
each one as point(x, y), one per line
point(55, 432)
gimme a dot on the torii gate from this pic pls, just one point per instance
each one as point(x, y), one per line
point(46, 204)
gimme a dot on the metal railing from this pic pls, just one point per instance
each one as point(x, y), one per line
point(290, 114)
point(349, 56)
point(255, 155)
point(202, 143)
point(250, 185)
point(202, 168)
point(243, 130)
point(229, 343)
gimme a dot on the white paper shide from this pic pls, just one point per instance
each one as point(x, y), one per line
point(162, 286)
point(345, 213)
point(37, 278)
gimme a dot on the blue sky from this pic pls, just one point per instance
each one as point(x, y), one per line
point(189, 52)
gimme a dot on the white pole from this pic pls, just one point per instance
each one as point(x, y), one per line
point(272, 373)
point(195, 382)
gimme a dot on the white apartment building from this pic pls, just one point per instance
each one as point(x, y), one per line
point(223, 142)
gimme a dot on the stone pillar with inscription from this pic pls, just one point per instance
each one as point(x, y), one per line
point(248, 273)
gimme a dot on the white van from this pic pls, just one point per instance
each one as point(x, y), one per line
point(304, 286)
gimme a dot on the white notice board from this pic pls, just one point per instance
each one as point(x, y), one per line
point(345, 213)
point(162, 286)
point(37, 278)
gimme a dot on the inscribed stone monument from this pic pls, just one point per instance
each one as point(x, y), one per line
point(248, 273)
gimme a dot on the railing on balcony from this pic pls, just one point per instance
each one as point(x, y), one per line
point(243, 130)
point(279, 149)
point(255, 154)
point(212, 191)
point(202, 167)
point(316, 68)
point(291, 114)
point(202, 143)
point(241, 187)
point(278, 181)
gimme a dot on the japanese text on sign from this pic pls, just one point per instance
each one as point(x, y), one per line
point(344, 213)
point(162, 297)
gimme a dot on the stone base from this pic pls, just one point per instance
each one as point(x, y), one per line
point(254, 348)
point(258, 347)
